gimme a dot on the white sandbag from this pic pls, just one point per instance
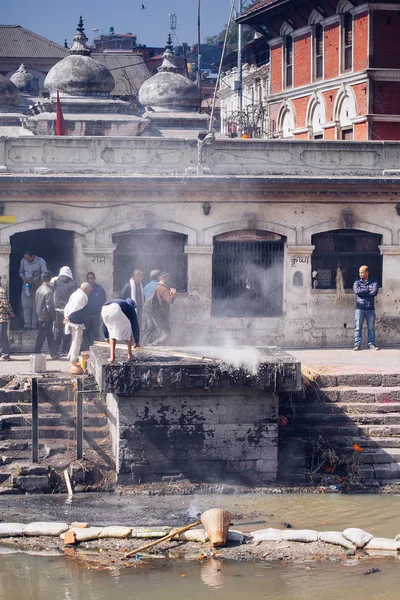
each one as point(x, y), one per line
point(235, 536)
point(11, 529)
point(383, 544)
point(87, 534)
point(45, 528)
point(336, 538)
point(193, 535)
point(115, 532)
point(358, 537)
point(150, 532)
point(300, 535)
point(267, 535)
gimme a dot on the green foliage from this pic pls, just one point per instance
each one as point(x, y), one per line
point(232, 40)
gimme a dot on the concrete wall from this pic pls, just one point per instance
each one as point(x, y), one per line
point(207, 436)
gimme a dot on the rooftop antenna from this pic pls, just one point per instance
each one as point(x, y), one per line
point(173, 22)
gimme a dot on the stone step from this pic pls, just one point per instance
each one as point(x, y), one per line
point(52, 420)
point(48, 407)
point(378, 456)
point(359, 379)
point(348, 408)
point(357, 394)
point(49, 432)
point(367, 442)
point(342, 418)
point(380, 430)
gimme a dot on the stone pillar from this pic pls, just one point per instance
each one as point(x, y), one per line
point(199, 289)
point(298, 280)
point(100, 260)
point(5, 252)
point(387, 303)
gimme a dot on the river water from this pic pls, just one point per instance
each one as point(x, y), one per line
point(34, 577)
point(25, 577)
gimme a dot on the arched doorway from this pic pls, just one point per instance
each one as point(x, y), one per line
point(149, 249)
point(248, 274)
point(54, 245)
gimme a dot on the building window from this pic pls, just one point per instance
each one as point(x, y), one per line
point(347, 133)
point(347, 249)
point(288, 61)
point(149, 249)
point(318, 51)
point(247, 276)
point(347, 41)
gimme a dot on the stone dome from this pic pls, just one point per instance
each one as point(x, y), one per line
point(25, 81)
point(168, 90)
point(9, 93)
point(79, 74)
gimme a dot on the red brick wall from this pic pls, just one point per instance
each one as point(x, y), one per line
point(360, 91)
point(331, 51)
point(301, 136)
point(385, 39)
point(302, 60)
point(300, 107)
point(329, 98)
point(276, 69)
point(273, 115)
point(386, 97)
point(360, 131)
point(330, 134)
point(385, 131)
point(360, 42)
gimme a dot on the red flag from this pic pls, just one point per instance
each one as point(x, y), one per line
point(60, 123)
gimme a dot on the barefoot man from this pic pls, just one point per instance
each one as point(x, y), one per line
point(120, 322)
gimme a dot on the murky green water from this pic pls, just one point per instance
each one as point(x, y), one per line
point(25, 577)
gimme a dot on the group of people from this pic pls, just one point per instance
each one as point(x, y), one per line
point(69, 317)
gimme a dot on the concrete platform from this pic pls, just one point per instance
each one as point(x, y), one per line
point(345, 360)
point(19, 365)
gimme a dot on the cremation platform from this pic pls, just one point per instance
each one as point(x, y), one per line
point(208, 414)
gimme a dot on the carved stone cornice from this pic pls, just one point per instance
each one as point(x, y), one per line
point(299, 250)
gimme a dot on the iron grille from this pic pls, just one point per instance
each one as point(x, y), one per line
point(248, 279)
point(347, 249)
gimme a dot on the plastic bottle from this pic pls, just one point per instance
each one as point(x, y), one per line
point(28, 289)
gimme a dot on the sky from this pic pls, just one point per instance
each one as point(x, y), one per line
point(57, 19)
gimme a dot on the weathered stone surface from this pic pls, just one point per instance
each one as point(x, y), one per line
point(33, 484)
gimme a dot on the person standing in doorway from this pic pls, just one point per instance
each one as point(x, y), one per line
point(75, 314)
point(157, 311)
point(46, 316)
point(6, 313)
point(96, 300)
point(134, 289)
point(365, 290)
point(153, 283)
point(63, 286)
point(31, 269)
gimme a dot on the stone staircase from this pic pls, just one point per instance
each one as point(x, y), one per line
point(357, 415)
point(57, 433)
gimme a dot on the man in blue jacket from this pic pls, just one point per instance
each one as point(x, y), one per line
point(365, 290)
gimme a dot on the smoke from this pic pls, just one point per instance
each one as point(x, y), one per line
point(193, 509)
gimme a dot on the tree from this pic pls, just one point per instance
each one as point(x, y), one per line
point(232, 39)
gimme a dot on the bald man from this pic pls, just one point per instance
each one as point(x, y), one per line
point(365, 290)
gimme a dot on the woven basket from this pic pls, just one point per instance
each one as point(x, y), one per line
point(216, 522)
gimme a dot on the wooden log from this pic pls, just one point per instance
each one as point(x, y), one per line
point(163, 539)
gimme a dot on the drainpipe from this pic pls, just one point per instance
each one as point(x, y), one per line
point(240, 72)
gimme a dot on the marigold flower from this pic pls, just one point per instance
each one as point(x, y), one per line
point(357, 448)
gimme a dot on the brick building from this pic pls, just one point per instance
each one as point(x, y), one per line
point(334, 68)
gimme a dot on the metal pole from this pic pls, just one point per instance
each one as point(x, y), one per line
point(240, 72)
point(35, 421)
point(198, 47)
point(79, 417)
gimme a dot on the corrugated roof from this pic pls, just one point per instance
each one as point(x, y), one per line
point(129, 71)
point(18, 42)
point(256, 7)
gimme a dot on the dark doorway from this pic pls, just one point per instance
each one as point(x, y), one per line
point(248, 274)
point(54, 245)
point(149, 249)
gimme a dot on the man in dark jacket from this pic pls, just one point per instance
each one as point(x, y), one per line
point(63, 286)
point(365, 289)
point(46, 315)
point(95, 302)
